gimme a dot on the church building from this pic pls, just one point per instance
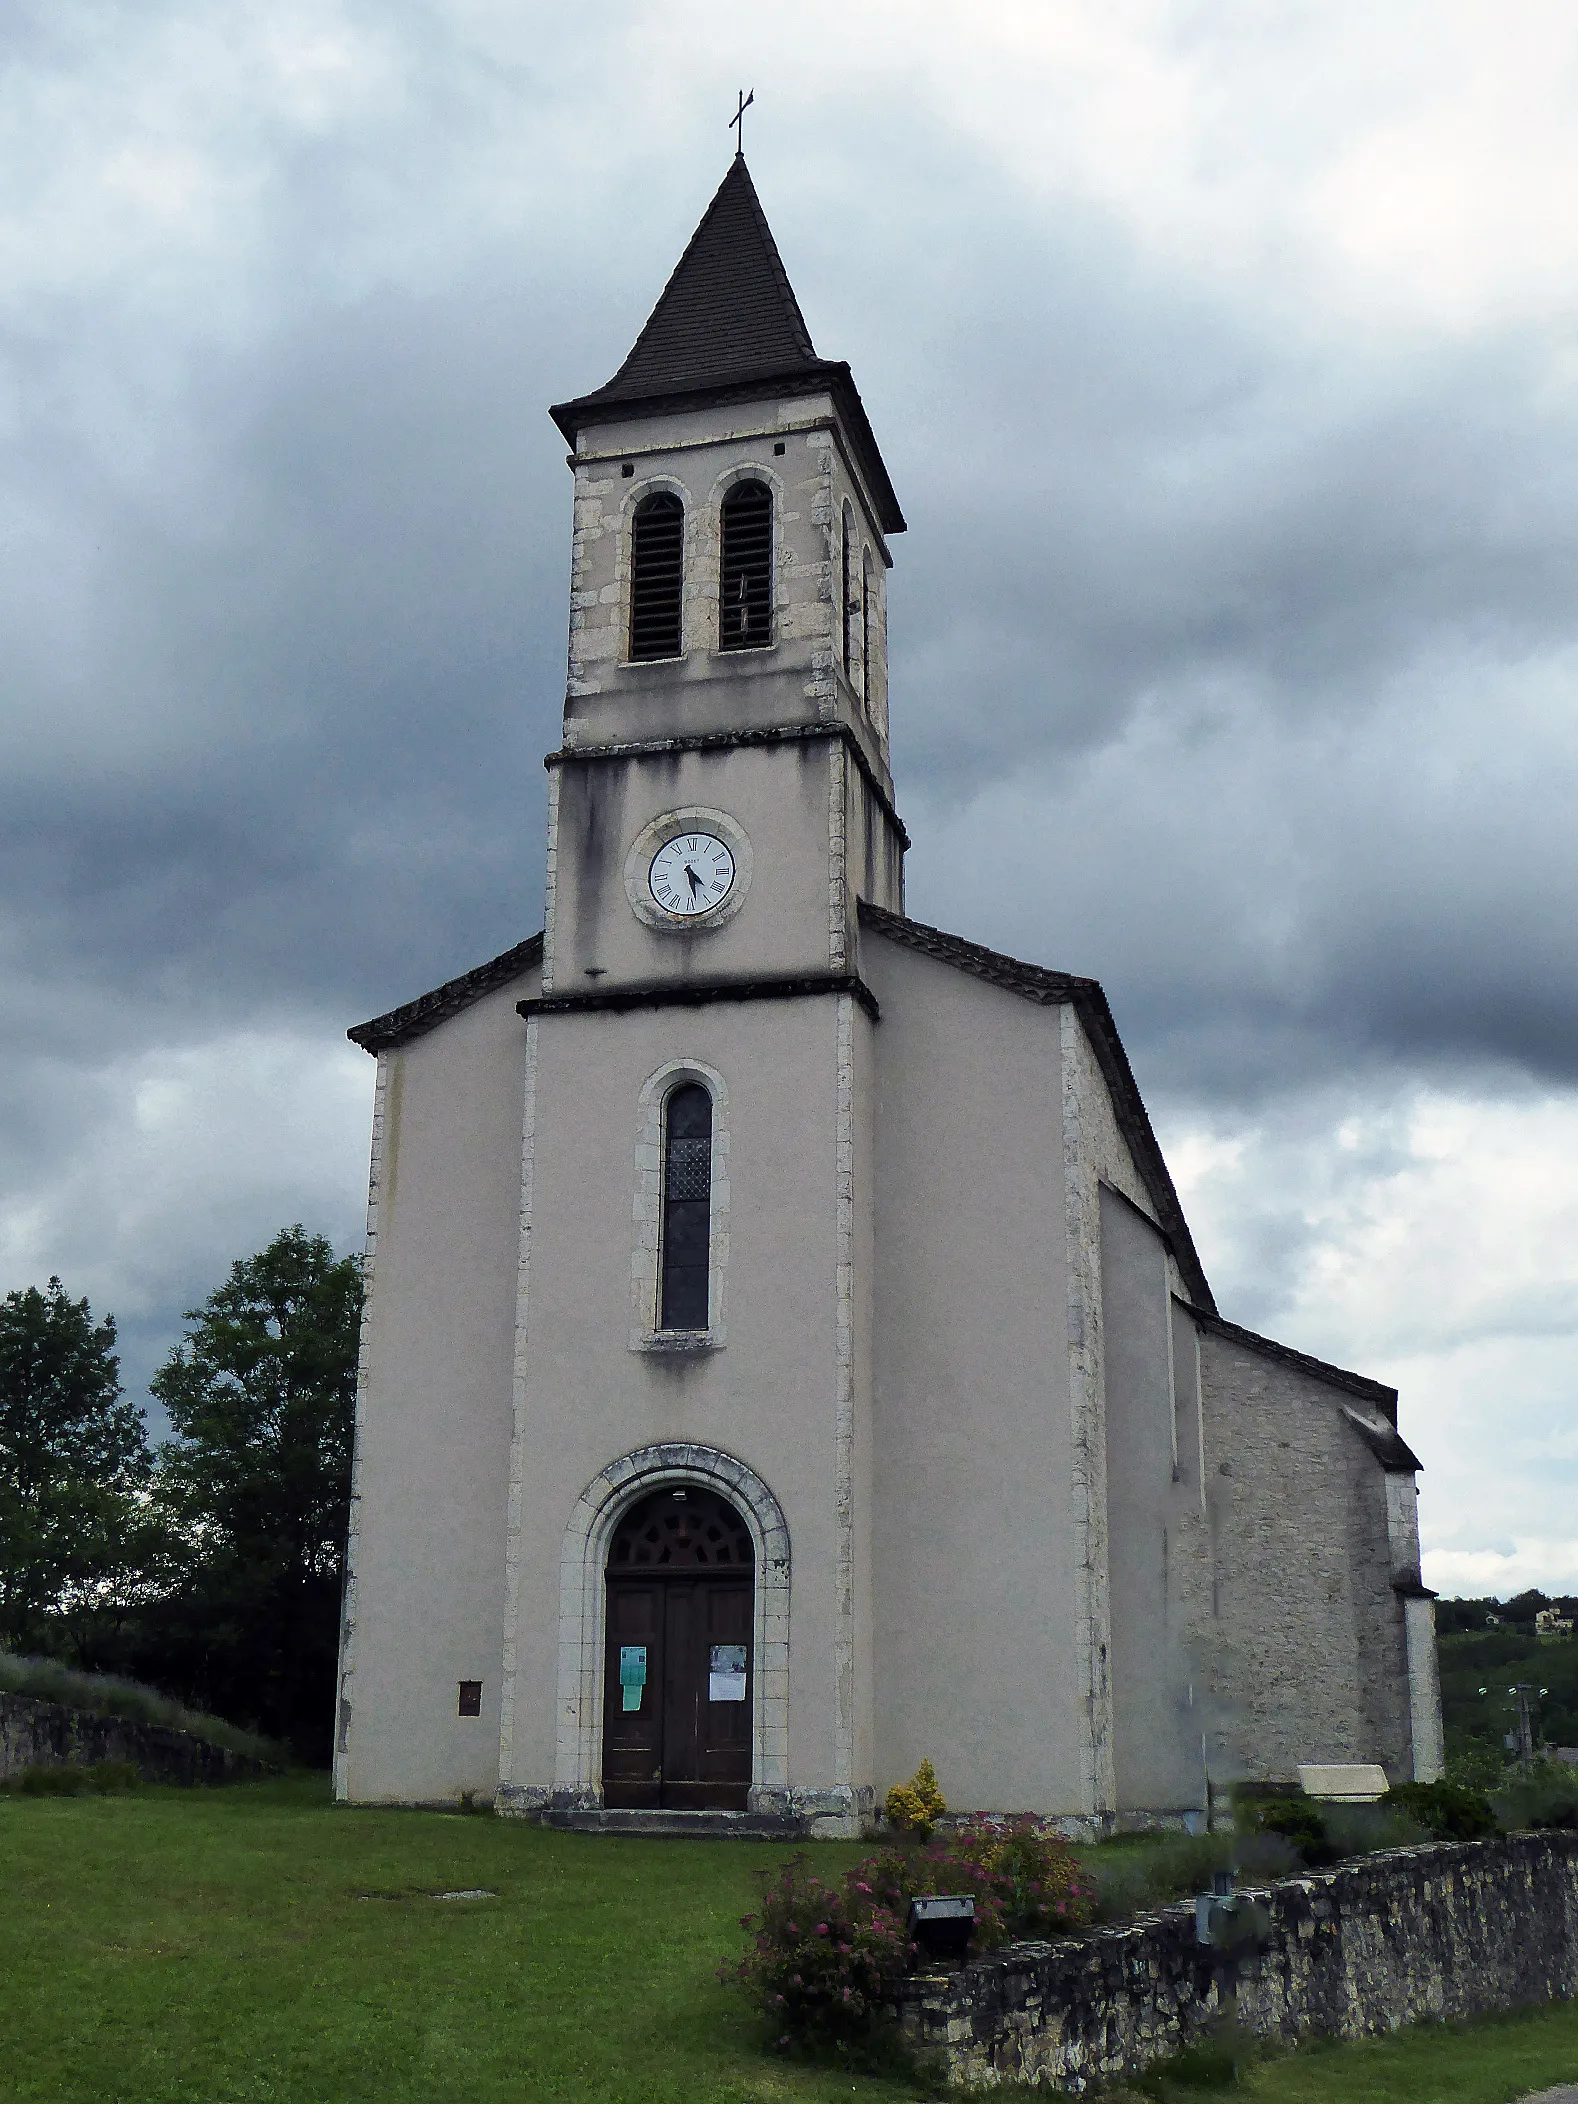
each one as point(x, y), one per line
point(785, 1356)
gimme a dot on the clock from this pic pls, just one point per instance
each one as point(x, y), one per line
point(691, 874)
point(687, 871)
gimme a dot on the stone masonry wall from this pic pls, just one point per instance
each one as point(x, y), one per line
point(1305, 1656)
point(1449, 1930)
point(51, 1734)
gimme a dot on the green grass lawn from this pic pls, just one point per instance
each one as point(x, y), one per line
point(1485, 2063)
point(257, 1946)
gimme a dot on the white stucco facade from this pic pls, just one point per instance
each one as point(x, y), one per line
point(1011, 1485)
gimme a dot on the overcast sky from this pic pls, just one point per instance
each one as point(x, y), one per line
point(1224, 357)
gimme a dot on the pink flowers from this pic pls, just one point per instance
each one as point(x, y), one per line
point(829, 1958)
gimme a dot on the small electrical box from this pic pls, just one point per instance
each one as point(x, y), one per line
point(942, 1923)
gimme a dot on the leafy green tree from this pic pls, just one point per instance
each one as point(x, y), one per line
point(73, 1463)
point(255, 1489)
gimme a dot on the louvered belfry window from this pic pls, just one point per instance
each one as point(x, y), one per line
point(687, 1208)
point(657, 576)
point(745, 611)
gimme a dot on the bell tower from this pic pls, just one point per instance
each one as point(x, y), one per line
point(727, 681)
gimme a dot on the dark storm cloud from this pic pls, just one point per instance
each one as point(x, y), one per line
point(290, 679)
point(290, 754)
point(1260, 646)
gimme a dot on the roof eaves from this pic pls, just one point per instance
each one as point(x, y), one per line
point(416, 1017)
point(1388, 1445)
point(1034, 982)
point(824, 376)
point(1319, 1369)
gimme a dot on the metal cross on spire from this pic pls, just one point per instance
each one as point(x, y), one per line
point(739, 118)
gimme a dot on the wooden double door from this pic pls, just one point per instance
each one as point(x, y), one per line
point(678, 1670)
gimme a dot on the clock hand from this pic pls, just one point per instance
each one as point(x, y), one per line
point(695, 881)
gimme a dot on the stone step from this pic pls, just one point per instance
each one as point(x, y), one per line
point(701, 1826)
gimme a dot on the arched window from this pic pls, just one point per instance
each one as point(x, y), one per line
point(687, 1209)
point(846, 591)
point(865, 630)
point(657, 575)
point(745, 596)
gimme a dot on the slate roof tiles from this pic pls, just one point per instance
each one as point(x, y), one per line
point(728, 327)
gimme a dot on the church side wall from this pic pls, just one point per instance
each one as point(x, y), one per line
point(1120, 1527)
point(858, 1051)
point(1153, 1511)
point(975, 1601)
point(434, 1441)
point(1308, 1650)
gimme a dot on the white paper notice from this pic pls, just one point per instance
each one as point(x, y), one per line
point(726, 1680)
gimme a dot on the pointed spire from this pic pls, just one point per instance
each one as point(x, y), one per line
point(728, 313)
point(728, 325)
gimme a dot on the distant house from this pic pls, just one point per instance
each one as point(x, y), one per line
point(1549, 1622)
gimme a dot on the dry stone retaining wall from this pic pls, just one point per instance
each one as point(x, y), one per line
point(1452, 1929)
point(52, 1734)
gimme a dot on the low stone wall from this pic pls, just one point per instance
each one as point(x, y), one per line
point(1451, 1929)
point(49, 1732)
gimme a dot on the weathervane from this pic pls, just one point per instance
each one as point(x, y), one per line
point(739, 119)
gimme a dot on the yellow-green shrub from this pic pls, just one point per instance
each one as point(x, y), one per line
point(916, 1806)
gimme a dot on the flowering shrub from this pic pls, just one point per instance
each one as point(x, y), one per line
point(916, 1806)
point(827, 1959)
point(1035, 1883)
point(824, 1959)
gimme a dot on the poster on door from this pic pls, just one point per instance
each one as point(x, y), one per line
point(632, 1673)
point(726, 1680)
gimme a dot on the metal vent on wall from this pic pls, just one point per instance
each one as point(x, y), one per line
point(657, 576)
point(745, 611)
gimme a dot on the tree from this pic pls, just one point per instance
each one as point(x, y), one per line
point(73, 1463)
point(255, 1488)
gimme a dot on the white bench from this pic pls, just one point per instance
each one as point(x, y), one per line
point(1353, 1782)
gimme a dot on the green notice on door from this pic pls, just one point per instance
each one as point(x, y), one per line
point(632, 1673)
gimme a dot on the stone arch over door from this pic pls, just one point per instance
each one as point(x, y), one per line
point(578, 1749)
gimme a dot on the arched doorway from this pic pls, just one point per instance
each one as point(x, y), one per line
point(677, 1706)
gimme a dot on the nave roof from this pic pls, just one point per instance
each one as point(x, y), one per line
point(416, 1018)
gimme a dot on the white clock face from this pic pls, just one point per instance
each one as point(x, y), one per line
point(691, 874)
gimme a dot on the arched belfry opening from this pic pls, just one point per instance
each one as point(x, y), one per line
point(681, 1581)
point(745, 583)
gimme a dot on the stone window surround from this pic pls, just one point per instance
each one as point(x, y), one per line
point(578, 1750)
point(703, 546)
point(647, 1212)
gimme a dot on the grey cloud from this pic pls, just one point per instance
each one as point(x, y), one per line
point(1212, 637)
